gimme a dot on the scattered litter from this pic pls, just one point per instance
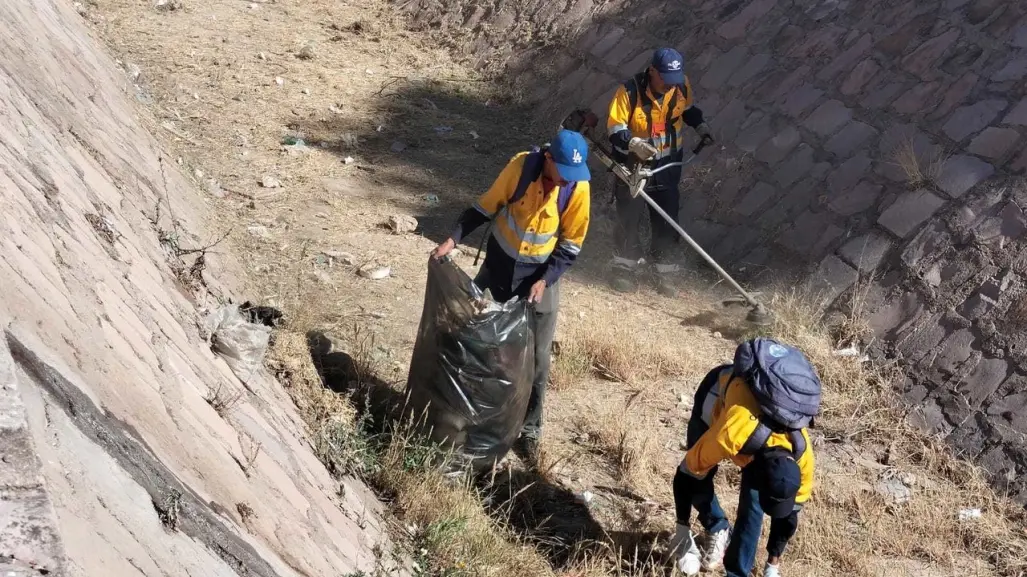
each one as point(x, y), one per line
point(402, 223)
point(474, 135)
point(298, 149)
point(262, 56)
point(307, 52)
point(369, 72)
point(379, 128)
point(443, 129)
point(306, 91)
point(198, 173)
point(279, 80)
point(375, 273)
point(584, 497)
point(340, 256)
point(683, 444)
point(270, 182)
point(581, 314)
point(378, 314)
point(851, 351)
point(398, 146)
point(259, 231)
point(683, 399)
point(254, 6)
point(969, 514)
point(717, 335)
point(323, 277)
point(241, 343)
point(348, 160)
point(80, 8)
point(334, 109)
point(431, 199)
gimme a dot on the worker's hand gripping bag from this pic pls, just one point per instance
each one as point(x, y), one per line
point(472, 367)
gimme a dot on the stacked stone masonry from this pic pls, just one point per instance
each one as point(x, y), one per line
point(872, 138)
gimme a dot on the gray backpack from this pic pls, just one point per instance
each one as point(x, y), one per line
point(785, 385)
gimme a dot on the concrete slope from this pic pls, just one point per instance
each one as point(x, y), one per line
point(111, 461)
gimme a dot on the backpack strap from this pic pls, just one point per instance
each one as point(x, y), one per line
point(757, 441)
point(532, 169)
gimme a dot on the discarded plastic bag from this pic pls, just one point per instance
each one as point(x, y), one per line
point(240, 342)
point(472, 367)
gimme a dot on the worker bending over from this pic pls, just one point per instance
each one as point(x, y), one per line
point(647, 122)
point(755, 413)
point(540, 206)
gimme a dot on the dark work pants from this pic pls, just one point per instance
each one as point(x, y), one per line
point(690, 492)
point(663, 189)
point(545, 330)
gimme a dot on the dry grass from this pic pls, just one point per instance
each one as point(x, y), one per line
point(628, 438)
point(919, 171)
point(613, 350)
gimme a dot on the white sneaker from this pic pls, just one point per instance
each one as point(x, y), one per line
point(771, 571)
point(716, 547)
point(683, 548)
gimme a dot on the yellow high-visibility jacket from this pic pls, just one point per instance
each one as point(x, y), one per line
point(661, 119)
point(734, 419)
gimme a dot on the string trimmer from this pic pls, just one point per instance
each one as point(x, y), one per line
point(585, 121)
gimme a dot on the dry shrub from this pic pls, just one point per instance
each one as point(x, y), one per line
point(919, 171)
point(617, 352)
point(629, 439)
point(847, 523)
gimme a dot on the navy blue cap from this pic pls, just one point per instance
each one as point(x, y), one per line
point(671, 65)
point(778, 480)
point(570, 153)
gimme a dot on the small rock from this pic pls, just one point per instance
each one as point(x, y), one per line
point(279, 80)
point(168, 5)
point(134, 72)
point(306, 91)
point(198, 173)
point(398, 146)
point(401, 223)
point(334, 109)
point(683, 444)
point(262, 56)
point(369, 72)
point(80, 8)
point(717, 335)
point(307, 52)
point(348, 160)
point(375, 272)
point(259, 231)
point(378, 314)
point(343, 257)
point(270, 182)
point(474, 135)
point(895, 491)
point(214, 188)
point(254, 6)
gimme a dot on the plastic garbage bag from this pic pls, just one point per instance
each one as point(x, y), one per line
point(472, 367)
point(240, 342)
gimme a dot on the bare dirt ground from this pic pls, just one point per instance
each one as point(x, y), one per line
point(391, 125)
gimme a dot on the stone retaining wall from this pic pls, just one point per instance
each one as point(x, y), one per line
point(881, 138)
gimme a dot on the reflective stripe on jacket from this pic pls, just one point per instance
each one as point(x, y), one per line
point(648, 112)
point(530, 229)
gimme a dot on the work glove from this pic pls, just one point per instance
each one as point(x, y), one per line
point(641, 148)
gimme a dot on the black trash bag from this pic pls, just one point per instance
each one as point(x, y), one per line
point(472, 367)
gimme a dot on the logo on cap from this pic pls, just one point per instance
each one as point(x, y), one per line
point(576, 159)
point(778, 351)
point(675, 65)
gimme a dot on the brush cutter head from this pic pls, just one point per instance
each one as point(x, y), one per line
point(760, 316)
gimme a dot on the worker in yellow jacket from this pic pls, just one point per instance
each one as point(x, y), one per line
point(540, 207)
point(730, 422)
point(646, 123)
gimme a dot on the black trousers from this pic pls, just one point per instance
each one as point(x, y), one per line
point(663, 189)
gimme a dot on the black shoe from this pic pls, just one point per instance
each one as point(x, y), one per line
point(526, 448)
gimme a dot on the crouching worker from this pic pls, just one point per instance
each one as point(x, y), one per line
point(540, 208)
point(755, 413)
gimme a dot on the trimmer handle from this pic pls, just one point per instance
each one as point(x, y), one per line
point(705, 141)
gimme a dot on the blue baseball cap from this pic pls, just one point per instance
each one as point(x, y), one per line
point(570, 153)
point(778, 482)
point(670, 64)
